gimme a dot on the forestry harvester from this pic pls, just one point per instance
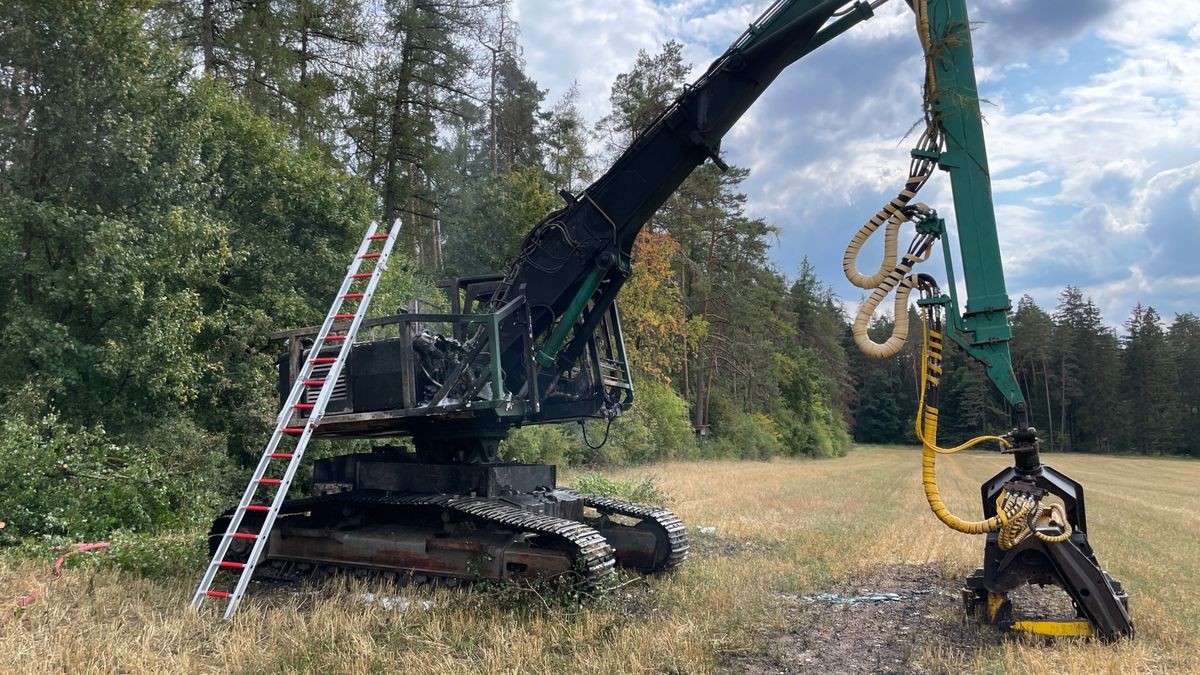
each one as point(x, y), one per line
point(542, 343)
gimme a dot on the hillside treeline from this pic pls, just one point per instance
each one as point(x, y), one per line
point(179, 178)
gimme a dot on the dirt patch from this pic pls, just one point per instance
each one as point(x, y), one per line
point(875, 623)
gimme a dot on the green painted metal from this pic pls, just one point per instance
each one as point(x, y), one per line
point(547, 355)
point(983, 327)
point(620, 338)
point(494, 348)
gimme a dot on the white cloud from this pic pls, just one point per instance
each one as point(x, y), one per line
point(1092, 137)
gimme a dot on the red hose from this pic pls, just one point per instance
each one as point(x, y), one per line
point(56, 571)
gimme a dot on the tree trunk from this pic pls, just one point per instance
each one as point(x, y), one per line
point(391, 168)
point(1049, 410)
point(302, 106)
point(494, 139)
point(207, 37)
point(1062, 427)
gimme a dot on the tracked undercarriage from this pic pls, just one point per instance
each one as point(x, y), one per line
point(386, 514)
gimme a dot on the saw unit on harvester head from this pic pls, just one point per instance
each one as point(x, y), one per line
point(542, 344)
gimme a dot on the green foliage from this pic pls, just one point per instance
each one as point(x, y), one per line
point(644, 491)
point(745, 436)
point(655, 429)
point(544, 444)
point(163, 556)
point(64, 480)
point(494, 217)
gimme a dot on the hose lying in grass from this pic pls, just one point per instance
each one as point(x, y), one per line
point(56, 571)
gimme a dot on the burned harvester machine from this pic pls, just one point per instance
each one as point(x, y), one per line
point(542, 343)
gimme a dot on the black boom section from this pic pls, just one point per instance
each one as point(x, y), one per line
point(561, 252)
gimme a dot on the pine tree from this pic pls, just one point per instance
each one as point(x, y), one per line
point(565, 138)
point(1090, 407)
point(1149, 385)
point(1033, 353)
point(1183, 340)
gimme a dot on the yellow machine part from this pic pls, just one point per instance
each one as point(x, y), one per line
point(1071, 628)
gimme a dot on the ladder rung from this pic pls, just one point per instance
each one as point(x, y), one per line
point(314, 383)
point(282, 455)
point(259, 508)
point(377, 237)
point(335, 338)
point(270, 481)
point(324, 359)
point(218, 594)
point(339, 317)
point(293, 431)
point(304, 406)
point(230, 565)
point(370, 256)
point(353, 296)
point(245, 535)
point(361, 275)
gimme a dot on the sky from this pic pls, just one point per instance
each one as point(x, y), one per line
point(1092, 120)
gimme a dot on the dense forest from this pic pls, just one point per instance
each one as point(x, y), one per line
point(179, 178)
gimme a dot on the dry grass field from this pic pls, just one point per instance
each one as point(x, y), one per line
point(784, 530)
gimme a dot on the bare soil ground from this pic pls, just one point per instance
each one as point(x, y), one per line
point(878, 623)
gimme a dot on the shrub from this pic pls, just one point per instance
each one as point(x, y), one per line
point(656, 428)
point(544, 444)
point(746, 436)
point(643, 491)
point(76, 482)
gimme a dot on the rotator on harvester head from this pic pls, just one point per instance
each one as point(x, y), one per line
point(1030, 538)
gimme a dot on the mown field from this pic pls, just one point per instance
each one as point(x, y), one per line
point(783, 530)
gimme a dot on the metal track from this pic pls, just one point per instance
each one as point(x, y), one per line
point(594, 557)
point(670, 523)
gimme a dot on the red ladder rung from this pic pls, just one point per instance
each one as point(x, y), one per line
point(245, 535)
point(218, 594)
point(270, 481)
point(354, 296)
point(314, 383)
point(361, 275)
point(230, 565)
point(282, 455)
point(370, 256)
point(293, 431)
point(335, 338)
point(304, 406)
point(324, 359)
point(259, 508)
point(377, 237)
point(340, 317)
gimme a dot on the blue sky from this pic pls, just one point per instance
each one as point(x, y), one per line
point(1092, 124)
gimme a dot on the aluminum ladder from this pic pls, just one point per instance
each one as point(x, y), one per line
point(290, 422)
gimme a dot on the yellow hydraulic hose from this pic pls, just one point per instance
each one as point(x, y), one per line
point(1017, 512)
point(1012, 521)
point(926, 428)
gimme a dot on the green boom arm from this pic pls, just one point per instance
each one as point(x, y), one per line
point(983, 329)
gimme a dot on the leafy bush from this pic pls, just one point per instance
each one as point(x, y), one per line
point(159, 557)
point(746, 436)
point(656, 428)
point(644, 491)
point(64, 480)
point(544, 444)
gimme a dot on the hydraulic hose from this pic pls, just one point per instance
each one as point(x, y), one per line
point(1018, 511)
point(926, 429)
